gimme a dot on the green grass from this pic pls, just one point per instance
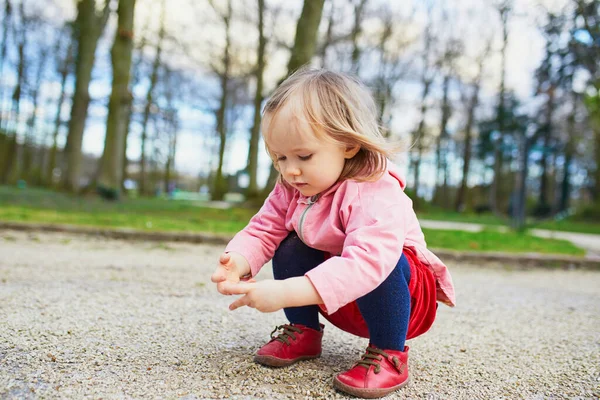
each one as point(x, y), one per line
point(483, 219)
point(565, 225)
point(568, 226)
point(494, 241)
point(45, 206)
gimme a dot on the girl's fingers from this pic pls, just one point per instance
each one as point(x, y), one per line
point(242, 301)
point(224, 258)
point(219, 275)
point(237, 288)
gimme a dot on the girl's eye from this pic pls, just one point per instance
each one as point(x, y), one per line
point(281, 158)
point(305, 158)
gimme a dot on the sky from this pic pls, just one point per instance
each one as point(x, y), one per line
point(473, 20)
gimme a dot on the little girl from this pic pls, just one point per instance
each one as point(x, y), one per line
point(342, 234)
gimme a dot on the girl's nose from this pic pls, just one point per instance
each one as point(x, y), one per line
point(293, 170)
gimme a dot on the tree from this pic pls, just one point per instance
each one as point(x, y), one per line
point(504, 10)
point(253, 192)
point(30, 136)
point(111, 169)
point(302, 52)
point(427, 78)
point(12, 124)
point(391, 67)
point(88, 27)
point(171, 127)
point(150, 96)
point(64, 61)
point(585, 45)
point(359, 9)
point(472, 104)
point(550, 77)
point(219, 186)
point(4, 46)
point(452, 51)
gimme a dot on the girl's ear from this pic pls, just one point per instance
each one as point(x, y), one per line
point(351, 151)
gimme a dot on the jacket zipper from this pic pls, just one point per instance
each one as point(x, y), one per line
point(310, 203)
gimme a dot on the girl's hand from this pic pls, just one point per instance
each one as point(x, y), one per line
point(231, 267)
point(266, 296)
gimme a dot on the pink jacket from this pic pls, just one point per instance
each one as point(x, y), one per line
point(364, 225)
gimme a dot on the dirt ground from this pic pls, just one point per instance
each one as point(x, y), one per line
point(84, 317)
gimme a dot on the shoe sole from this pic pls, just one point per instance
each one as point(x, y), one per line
point(271, 361)
point(364, 392)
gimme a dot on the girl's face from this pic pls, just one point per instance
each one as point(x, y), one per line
point(309, 164)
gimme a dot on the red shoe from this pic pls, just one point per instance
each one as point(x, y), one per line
point(295, 342)
point(378, 373)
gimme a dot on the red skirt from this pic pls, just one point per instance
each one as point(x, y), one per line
point(423, 305)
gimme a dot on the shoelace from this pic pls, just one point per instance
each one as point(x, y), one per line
point(374, 354)
point(288, 332)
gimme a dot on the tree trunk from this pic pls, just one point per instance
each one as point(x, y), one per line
point(219, 187)
point(418, 140)
point(473, 104)
point(10, 171)
point(462, 190)
point(135, 78)
point(31, 134)
point(302, 52)
point(328, 38)
point(441, 154)
point(150, 99)
point(3, 48)
point(111, 168)
point(253, 192)
point(519, 194)
point(64, 74)
point(172, 127)
point(543, 195)
point(88, 28)
point(355, 34)
point(504, 10)
point(306, 34)
point(595, 123)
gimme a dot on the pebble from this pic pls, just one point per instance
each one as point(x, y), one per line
point(125, 319)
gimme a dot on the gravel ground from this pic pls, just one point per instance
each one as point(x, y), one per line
point(85, 317)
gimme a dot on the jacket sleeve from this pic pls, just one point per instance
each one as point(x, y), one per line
point(258, 241)
point(375, 233)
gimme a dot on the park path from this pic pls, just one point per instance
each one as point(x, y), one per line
point(86, 317)
point(587, 241)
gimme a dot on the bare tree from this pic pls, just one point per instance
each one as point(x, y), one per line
point(391, 66)
point(253, 192)
point(10, 167)
point(452, 51)
point(171, 127)
point(111, 168)
point(135, 80)
point(64, 62)
point(6, 21)
point(472, 104)
point(504, 9)
point(223, 72)
point(302, 52)
point(150, 96)
point(328, 40)
point(359, 10)
point(88, 28)
point(427, 78)
point(31, 135)
point(587, 52)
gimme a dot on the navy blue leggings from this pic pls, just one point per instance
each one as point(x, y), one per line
point(386, 309)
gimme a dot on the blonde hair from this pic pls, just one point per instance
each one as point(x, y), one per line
point(340, 108)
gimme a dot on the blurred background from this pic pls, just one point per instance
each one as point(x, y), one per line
point(497, 101)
